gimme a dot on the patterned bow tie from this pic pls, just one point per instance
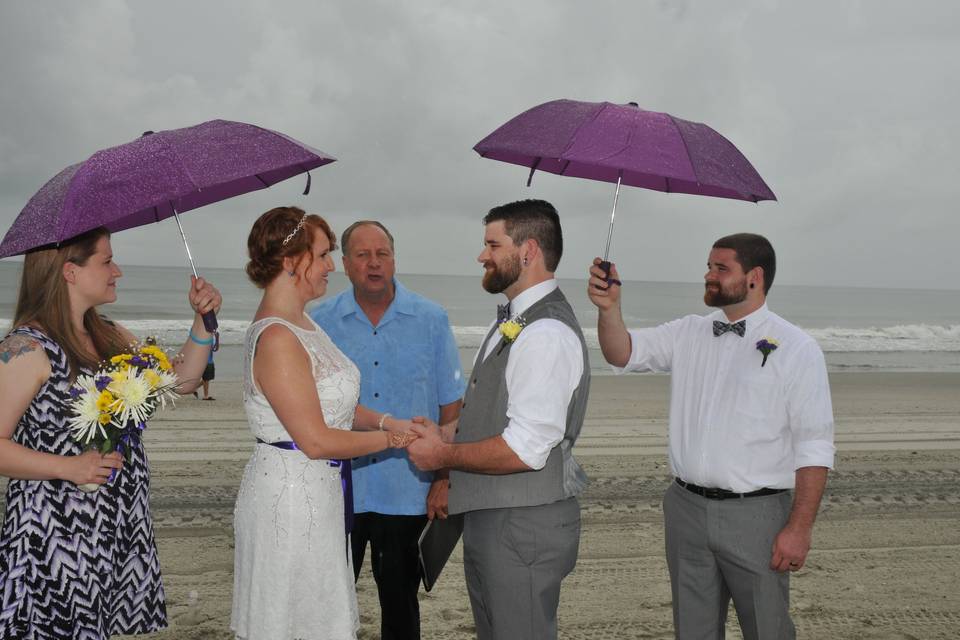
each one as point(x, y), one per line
point(503, 312)
point(720, 328)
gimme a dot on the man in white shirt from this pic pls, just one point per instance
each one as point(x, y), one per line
point(750, 422)
point(513, 475)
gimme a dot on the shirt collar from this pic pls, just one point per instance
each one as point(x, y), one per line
point(528, 297)
point(402, 303)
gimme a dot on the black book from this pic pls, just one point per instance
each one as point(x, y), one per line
point(436, 543)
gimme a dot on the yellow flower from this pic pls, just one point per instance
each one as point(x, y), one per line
point(104, 418)
point(152, 377)
point(510, 330)
point(105, 401)
point(120, 358)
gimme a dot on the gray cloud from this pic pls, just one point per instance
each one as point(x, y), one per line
point(846, 109)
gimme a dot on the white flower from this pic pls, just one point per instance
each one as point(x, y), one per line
point(85, 423)
point(133, 393)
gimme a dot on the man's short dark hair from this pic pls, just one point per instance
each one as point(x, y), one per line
point(537, 219)
point(345, 238)
point(752, 251)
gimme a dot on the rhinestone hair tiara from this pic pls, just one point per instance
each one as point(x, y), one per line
point(287, 240)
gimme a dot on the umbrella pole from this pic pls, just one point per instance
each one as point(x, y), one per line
point(613, 214)
point(209, 318)
point(605, 263)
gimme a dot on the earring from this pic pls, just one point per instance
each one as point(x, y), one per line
point(524, 262)
point(290, 273)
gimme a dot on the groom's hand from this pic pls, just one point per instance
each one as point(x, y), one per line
point(427, 451)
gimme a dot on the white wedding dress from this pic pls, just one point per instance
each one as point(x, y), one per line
point(293, 577)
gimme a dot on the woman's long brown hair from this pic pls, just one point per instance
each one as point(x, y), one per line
point(44, 302)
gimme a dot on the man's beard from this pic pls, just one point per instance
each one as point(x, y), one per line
point(496, 280)
point(721, 297)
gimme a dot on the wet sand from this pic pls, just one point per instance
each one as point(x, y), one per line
point(886, 557)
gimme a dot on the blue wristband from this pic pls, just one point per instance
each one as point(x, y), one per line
point(203, 343)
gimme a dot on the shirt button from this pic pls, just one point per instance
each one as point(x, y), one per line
point(373, 459)
point(457, 430)
point(374, 332)
point(376, 395)
point(376, 363)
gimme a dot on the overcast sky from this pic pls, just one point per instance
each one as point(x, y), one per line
point(849, 110)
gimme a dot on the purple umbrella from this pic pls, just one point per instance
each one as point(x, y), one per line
point(158, 176)
point(626, 145)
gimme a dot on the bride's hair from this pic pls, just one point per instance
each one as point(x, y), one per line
point(281, 233)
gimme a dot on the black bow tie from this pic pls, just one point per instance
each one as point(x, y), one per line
point(720, 328)
point(503, 312)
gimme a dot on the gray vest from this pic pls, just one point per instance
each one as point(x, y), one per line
point(484, 415)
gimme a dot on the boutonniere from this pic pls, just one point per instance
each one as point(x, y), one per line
point(510, 329)
point(766, 346)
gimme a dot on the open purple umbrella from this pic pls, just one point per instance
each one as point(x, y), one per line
point(158, 176)
point(626, 145)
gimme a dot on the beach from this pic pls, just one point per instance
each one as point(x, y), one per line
point(885, 561)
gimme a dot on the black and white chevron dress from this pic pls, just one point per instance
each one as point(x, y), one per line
point(72, 564)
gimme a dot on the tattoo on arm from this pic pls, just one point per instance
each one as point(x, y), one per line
point(15, 346)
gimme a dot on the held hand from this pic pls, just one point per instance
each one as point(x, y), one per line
point(437, 499)
point(605, 296)
point(400, 439)
point(790, 548)
point(93, 467)
point(426, 451)
point(203, 296)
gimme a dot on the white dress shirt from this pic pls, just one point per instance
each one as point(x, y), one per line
point(543, 370)
point(735, 424)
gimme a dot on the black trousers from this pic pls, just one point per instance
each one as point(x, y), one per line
point(393, 555)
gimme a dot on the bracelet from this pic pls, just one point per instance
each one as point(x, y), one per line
point(382, 418)
point(202, 342)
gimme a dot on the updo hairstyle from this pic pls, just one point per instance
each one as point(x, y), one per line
point(265, 243)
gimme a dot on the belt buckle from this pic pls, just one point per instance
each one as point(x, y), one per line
point(712, 493)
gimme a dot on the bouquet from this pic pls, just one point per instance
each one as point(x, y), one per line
point(113, 405)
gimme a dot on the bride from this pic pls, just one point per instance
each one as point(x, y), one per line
point(292, 573)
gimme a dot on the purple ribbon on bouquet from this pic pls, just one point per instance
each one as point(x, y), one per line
point(346, 479)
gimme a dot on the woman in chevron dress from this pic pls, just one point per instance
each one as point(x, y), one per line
point(74, 564)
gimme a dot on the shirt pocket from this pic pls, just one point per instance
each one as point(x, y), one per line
point(759, 397)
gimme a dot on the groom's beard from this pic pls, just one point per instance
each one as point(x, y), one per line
point(497, 279)
point(715, 295)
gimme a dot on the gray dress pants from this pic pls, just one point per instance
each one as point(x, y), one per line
point(718, 549)
point(514, 560)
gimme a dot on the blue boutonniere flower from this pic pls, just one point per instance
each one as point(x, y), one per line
point(766, 346)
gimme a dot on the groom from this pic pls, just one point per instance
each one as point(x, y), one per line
point(512, 471)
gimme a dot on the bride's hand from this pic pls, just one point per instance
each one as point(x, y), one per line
point(400, 439)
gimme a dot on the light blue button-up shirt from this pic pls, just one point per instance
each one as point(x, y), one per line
point(409, 366)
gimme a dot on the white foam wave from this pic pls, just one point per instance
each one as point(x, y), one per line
point(902, 338)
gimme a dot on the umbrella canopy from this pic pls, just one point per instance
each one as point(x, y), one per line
point(156, 176)
point(623, 143)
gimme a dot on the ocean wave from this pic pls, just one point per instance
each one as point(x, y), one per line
point(899, 338)
point(911, 337)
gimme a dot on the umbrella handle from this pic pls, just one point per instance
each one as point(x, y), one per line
point(605, 265)
point(211, 325)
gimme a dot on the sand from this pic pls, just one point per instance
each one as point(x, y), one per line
point(885, 562)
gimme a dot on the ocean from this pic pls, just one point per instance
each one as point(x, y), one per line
point(858, 328)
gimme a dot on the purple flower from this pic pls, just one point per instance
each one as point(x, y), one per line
point(103, 382)
point(76, 392)
point(766, 346)
point(137, 361)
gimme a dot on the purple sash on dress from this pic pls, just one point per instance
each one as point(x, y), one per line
point(346, 479)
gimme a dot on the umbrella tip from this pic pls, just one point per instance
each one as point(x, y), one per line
point(146, 133)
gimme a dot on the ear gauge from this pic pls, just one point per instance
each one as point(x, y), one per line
point(752, 285)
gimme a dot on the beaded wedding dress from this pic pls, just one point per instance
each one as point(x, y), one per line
point(293, 577)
